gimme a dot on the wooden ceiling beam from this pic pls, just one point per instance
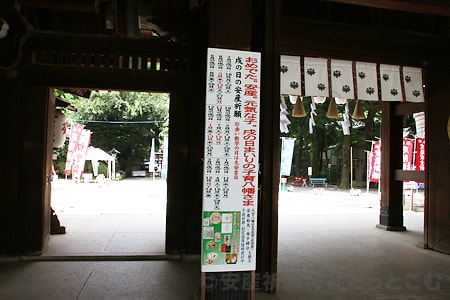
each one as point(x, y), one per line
point(306, 38)
point(431, 7)
point(87, 6)
point(69, 77)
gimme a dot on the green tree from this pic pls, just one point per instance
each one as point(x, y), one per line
point(126, 121)
point(312, 149)
point(358, 138)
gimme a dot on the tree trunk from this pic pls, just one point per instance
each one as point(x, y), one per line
point(369, 122)
point(346, 165)
point(315, 154)
point(317, 148)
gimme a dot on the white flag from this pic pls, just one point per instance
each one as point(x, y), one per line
point(342, 79)
point(366, 81)
point(151, 165)
point(316, 77)
point(391, 88)
point(412, 80)
point(290, 76)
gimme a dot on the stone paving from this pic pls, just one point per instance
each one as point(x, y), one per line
point(328, 248)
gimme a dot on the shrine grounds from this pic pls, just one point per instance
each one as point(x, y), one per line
point(147, 195)
point(328, 248)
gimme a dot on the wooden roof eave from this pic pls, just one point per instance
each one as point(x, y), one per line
point(305, 37)
point(430, 7)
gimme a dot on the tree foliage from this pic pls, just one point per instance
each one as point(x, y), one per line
point(327, 149)
point(126, 121)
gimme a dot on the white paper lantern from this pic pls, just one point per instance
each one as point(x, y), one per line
point(59, 130)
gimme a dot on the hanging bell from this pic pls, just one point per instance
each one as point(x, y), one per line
point(332, 111)
point(358, 113)
point(299, 109)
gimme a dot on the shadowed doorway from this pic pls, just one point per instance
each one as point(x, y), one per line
point(113, 214)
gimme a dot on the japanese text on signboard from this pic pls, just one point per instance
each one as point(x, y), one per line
point(230, 174)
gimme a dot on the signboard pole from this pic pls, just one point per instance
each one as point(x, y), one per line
point(203, 286)
point(367, 173)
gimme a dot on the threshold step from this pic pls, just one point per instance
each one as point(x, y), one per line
point(98, 257)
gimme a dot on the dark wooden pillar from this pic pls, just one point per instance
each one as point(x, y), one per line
point(178, 198)
point(391, 210)
point(10, 90)
point(230, 24)
point(267, 41)
point(195, 110)
point(253, 25)
point(33, 213)
point(437, 185)
point(9, 94)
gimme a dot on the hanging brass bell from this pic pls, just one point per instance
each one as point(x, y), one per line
point(358, 113)
point(299, 109)
point(332, 111)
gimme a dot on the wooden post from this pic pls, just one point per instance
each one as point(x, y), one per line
point(437, 188)
point(33, 216)
point(270, 144)
point(391, 210)
point(230, 28)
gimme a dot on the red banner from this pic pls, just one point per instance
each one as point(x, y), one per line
point(374, 157)
point(374, 162)
point(419, 162)
point(407, 153)
point(75, 134)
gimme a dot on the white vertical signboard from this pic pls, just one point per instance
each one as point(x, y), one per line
point(230, 175)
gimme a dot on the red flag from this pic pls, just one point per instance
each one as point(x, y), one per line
point(80, 153)
point(407, 153)
point(419, 162)
point(75, 134)
point(374, 162)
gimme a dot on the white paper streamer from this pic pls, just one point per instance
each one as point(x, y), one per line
point(346, 122)
point(313, 113)
point(420, 124)
point(284, 120)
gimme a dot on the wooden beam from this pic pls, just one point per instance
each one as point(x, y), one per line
point(431, 7)
point(89, 6)
point(304, 37)
point(106, 44)
point(103, 78)
point(409, 175)
point(408, 108)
